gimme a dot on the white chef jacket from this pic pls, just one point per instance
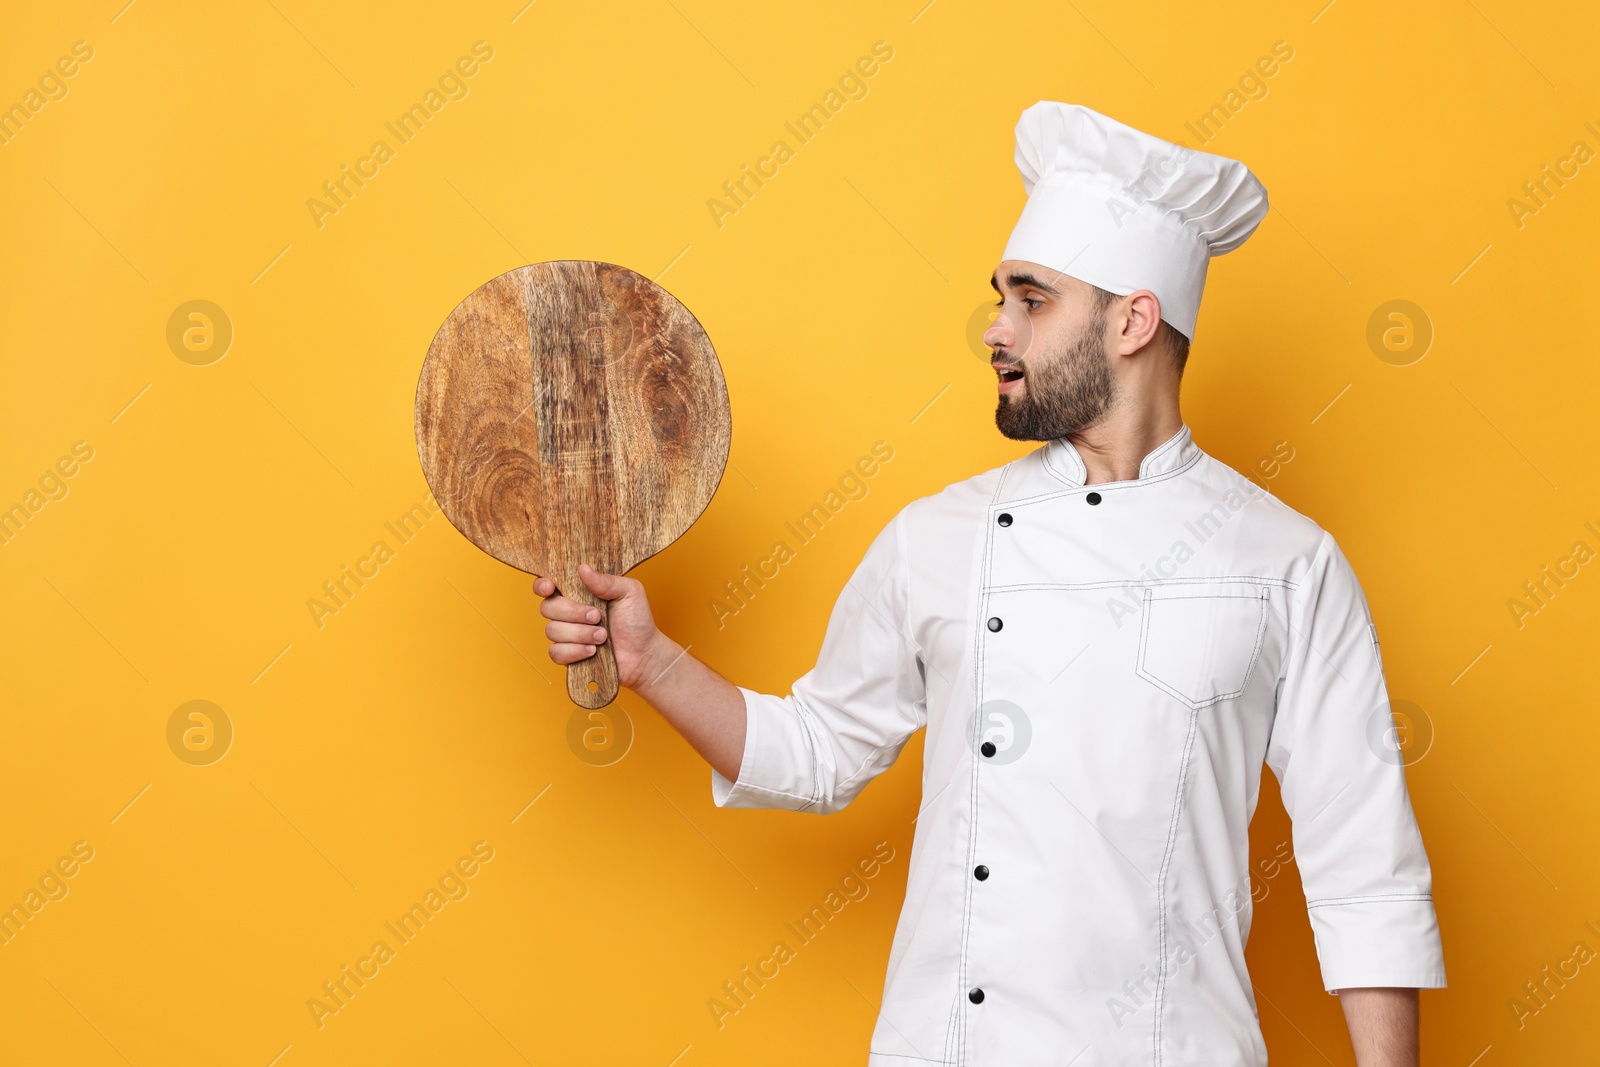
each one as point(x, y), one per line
point(1079, 888)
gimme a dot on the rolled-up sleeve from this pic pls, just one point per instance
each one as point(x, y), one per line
point(847, 718)
point(1366, 876)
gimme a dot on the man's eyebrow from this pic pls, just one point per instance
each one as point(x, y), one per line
point(1018, 279)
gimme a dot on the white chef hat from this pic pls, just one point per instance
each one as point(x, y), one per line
point(1117, 208)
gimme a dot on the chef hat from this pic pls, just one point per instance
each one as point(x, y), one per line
point(1117, 208)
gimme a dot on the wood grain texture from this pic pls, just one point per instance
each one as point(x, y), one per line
point(573, 412)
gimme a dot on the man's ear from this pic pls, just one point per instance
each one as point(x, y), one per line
point(1139, 322)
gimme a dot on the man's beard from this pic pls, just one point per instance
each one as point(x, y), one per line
point(1064, 392)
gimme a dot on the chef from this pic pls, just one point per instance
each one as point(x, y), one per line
point(1105, 640)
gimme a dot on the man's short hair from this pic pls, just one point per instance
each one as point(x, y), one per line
point(1176, 342)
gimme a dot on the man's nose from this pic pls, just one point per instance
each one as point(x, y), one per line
point(1008, 333)
point(998, 335)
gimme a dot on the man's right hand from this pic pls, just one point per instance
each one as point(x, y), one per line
point(574, 633)
point(706, 708)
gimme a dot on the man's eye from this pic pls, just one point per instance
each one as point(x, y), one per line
point(1000, 303)
point(1031, 301)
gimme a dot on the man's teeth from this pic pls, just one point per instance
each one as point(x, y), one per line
point(1009, 375)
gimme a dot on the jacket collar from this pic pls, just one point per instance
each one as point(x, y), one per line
point(1061, 458)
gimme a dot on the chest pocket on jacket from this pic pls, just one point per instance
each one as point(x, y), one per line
point(1199, 643)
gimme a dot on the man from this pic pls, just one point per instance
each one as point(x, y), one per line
point(1105, 640)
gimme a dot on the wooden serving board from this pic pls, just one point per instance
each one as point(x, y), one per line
point(573, 412)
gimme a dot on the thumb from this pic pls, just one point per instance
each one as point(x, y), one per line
point(601, 584)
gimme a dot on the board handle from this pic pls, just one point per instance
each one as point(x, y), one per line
point(592, 682)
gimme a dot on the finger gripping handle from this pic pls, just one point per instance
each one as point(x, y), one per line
point(592, 682)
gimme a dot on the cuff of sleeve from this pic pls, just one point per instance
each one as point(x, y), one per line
point(1387, 941)
point(754, 788)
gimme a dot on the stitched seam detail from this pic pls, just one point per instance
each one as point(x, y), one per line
point(775, 793)
point(1105, 486)
point(810, 726)
point(1289, 613)
point(1223, 579)
point(870, 760)
point(1208, 596)
point(1161, 885)
point(1339, 902)
point(1255, 654)
point(1172, 442)
point(1182, 436)
point(816, 767)
point(1071, 455)
point(978, 633)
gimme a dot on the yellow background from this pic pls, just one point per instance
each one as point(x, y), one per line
point(369, 754)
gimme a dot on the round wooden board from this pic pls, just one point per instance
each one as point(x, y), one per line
point(573, 412)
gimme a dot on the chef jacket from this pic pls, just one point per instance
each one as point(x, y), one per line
point(1102, 670)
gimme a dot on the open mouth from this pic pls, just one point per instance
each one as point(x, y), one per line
point(1009, 375)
